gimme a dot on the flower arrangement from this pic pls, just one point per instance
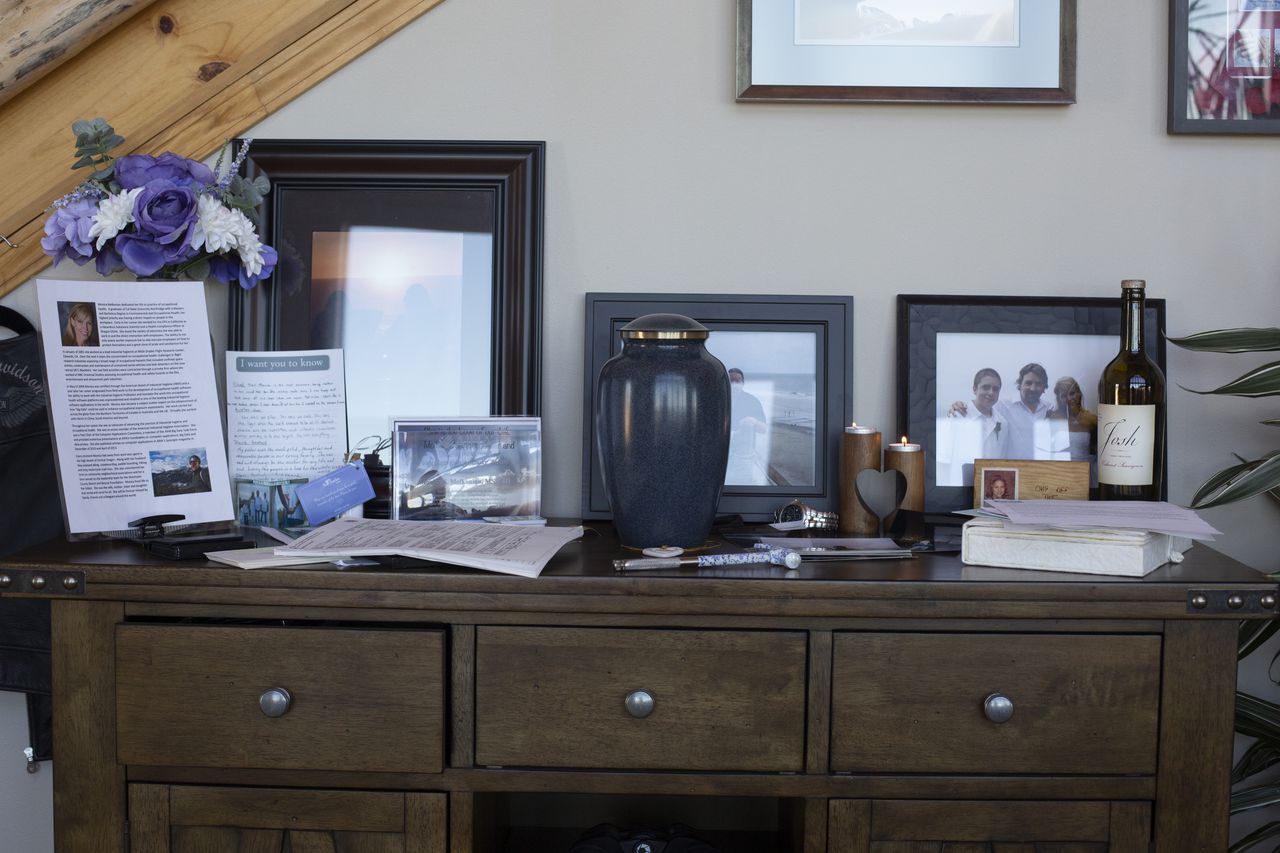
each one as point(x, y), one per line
point(165, 217)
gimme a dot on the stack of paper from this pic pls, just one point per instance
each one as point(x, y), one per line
point(1130, 538)
point(1150, 516)
point(510, 549)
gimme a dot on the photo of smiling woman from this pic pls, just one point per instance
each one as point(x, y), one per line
point(80, 324)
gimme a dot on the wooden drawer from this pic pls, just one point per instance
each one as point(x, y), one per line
point(723, 700)
point(881, 826)
point(360, 699)
point(914, 703)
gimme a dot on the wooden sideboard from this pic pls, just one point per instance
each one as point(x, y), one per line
point(884, 706)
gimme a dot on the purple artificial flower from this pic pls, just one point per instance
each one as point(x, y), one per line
point(67, 231)
point(108, 260)
point(137, 170)
point(164, 211)
point(228, 269)
point(140, 254)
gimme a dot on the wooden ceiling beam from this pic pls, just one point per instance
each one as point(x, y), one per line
point(36, 38)
point(183, 77)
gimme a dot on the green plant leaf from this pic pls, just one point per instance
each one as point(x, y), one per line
point(1256, 758)
point(1254, 633)
point(1257, 718)
point(1255, 798)
point(1220, 479)
point(1231, 340)
point(1262, 381)
point(1262, 833)
point(1263, 477)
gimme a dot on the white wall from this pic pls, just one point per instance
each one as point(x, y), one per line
point(26, 799)
point(658, 181)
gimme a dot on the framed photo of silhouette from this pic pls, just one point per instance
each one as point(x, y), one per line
point(421, 260)
point(789, 364)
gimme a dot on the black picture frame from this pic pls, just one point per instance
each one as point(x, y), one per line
point(922, 318)
point(829, 318)
point(487, 186)
point(1216, 71)
point(840, 58)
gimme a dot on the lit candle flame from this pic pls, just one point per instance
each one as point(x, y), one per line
point(904, 439)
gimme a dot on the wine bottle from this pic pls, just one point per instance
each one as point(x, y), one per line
point(1131, 411)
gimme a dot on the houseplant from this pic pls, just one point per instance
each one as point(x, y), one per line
point(1255, 717)
point(158, 217)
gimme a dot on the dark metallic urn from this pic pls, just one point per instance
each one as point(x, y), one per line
point(662, 432)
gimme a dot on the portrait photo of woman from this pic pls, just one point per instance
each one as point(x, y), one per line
point(80, 328)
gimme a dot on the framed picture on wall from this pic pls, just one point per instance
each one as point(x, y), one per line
point(421, 260)
point(977, 51)
point(789, 362)
point(1224, 66)
point(965, 361)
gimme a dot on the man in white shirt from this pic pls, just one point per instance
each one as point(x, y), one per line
point(973, 432)
point(1031, 434)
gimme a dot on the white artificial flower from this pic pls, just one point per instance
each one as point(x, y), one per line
point(250, 251)
point(216, 228)
point(114, 213)
point(248, 246)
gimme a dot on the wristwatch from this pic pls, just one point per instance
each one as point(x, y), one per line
point(814, 519)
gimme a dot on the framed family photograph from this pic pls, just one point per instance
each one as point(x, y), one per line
point(466, 468)
point(977, 51)
point(788, 361)
point(404, 254)
point(1224, 66)
point(1005, 377)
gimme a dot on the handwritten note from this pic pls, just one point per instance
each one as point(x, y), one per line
point(286, 414)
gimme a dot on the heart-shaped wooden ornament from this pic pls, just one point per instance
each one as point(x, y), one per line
point(881, 492)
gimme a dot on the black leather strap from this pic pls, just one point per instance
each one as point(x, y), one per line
point(11, 319)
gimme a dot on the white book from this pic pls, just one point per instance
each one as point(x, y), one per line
point(1131, 553)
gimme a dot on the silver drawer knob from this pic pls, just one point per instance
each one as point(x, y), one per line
point(275, 702)
point(639, 704)
point(998, 708)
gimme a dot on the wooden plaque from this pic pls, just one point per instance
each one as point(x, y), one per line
point(1028, 479)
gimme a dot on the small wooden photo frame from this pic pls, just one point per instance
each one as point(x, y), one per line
point(1026, 479)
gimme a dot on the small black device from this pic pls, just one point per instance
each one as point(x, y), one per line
point(195, 545)
point(184, 546)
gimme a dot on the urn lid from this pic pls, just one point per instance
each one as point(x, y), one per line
point(664, 327)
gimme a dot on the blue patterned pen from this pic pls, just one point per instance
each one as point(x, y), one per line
point(776, 556)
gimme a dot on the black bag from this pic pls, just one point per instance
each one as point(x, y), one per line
point(30, 512)
point(607, 838)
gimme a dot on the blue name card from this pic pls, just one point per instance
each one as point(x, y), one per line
point(334, 493)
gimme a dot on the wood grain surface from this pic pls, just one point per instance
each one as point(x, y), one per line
point(724, 700)
point(188, 695)
point(914, 703)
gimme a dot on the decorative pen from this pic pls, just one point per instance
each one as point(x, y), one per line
point(776, 556)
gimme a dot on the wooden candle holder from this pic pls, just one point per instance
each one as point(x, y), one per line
point(859, 450)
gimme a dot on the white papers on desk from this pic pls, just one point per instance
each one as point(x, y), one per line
point(509, 549)
point(263, 558)
point(136, 420)
point(1151, 516)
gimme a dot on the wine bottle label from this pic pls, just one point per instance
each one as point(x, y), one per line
point(1126, 445)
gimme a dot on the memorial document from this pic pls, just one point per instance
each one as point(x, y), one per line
point(134, 403)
